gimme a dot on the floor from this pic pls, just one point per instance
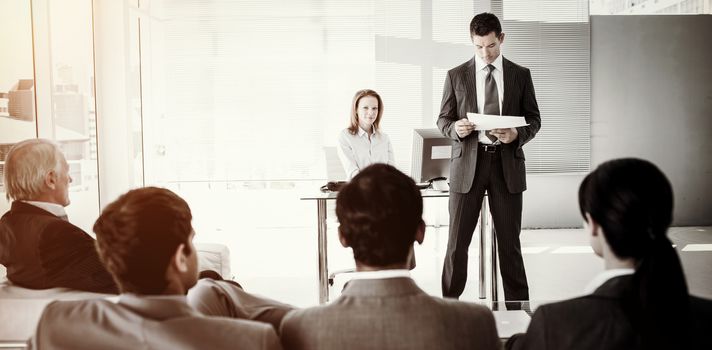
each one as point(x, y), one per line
point(281, 262)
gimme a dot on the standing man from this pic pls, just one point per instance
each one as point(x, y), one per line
point(491, 161)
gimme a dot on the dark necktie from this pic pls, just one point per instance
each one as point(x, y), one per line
point(491, 97)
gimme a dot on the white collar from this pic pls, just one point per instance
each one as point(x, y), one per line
point(604, 276)
point(380, 274)
point(362, 132)
point(54, 208)
point(480, 64)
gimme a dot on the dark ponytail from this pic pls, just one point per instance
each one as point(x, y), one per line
point(632, 201)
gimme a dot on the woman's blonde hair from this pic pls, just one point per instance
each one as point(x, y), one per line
point(353, 127)
point(26, 166)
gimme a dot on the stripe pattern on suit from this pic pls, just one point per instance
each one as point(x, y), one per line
point(145, 322)
point(41, 250)
point(390, 313)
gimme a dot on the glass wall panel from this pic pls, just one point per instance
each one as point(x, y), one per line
point(17, 87)
point(66, 103)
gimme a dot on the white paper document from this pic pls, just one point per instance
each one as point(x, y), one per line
point(489, 122)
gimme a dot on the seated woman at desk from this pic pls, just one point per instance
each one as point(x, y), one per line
point(363, 143)
point(641, 300)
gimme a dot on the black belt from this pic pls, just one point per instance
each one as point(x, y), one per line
point(490, 148)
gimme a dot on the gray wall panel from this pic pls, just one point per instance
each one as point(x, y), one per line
point(651, 97)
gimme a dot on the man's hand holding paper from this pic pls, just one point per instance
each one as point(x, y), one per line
point(489, 122)
point(505, 135)
point(500, 126)
point(464, 127)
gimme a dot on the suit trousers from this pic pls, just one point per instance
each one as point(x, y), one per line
point(506, 209)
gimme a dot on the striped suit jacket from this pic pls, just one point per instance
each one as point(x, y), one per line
point(390, 313)
point(43, 251)
point(460, 97)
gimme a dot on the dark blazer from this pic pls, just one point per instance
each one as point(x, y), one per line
point(390, 313)
point(598, 321)
point(460, 97)
point(41, 250)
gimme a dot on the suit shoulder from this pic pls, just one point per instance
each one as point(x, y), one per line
point(61, 314)
point(69, 308)
point(455, 309)
point(311, 312)
point(566, 304)
point(581, 308)
point(515, 66)
point(58, 229)
point(463, 306)
point(298, 320)
point(462, 67)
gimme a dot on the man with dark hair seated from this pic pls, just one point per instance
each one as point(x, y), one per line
point(380, 216)
point(145, 240)
point(39, 246)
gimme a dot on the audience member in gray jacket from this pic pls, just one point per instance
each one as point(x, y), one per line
point(145, 241)
point(380, 216)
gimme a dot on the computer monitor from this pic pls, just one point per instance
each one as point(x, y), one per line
point(431, 155)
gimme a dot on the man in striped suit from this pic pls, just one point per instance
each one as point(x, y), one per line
point(491, 161)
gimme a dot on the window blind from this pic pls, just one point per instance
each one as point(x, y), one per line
point(254, 90)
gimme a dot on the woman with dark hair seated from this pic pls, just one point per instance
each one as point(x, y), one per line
point(640, 301)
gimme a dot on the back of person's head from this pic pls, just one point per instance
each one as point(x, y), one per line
point(353, 121)
point(380, 212)
point(138, 235)
point(632, 201)
point(485, 23)
point(26, 165)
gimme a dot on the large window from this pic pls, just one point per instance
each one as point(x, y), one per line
point(47, 90)
point(256, 90)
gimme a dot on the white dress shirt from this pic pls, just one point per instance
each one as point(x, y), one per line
point(380, 274)
point(480, 76)
point(359, 151)
point(55, 209)
point(604, 276)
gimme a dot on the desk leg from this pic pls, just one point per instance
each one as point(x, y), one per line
point(495, 273)
point(483, 236)
point(323, 268)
